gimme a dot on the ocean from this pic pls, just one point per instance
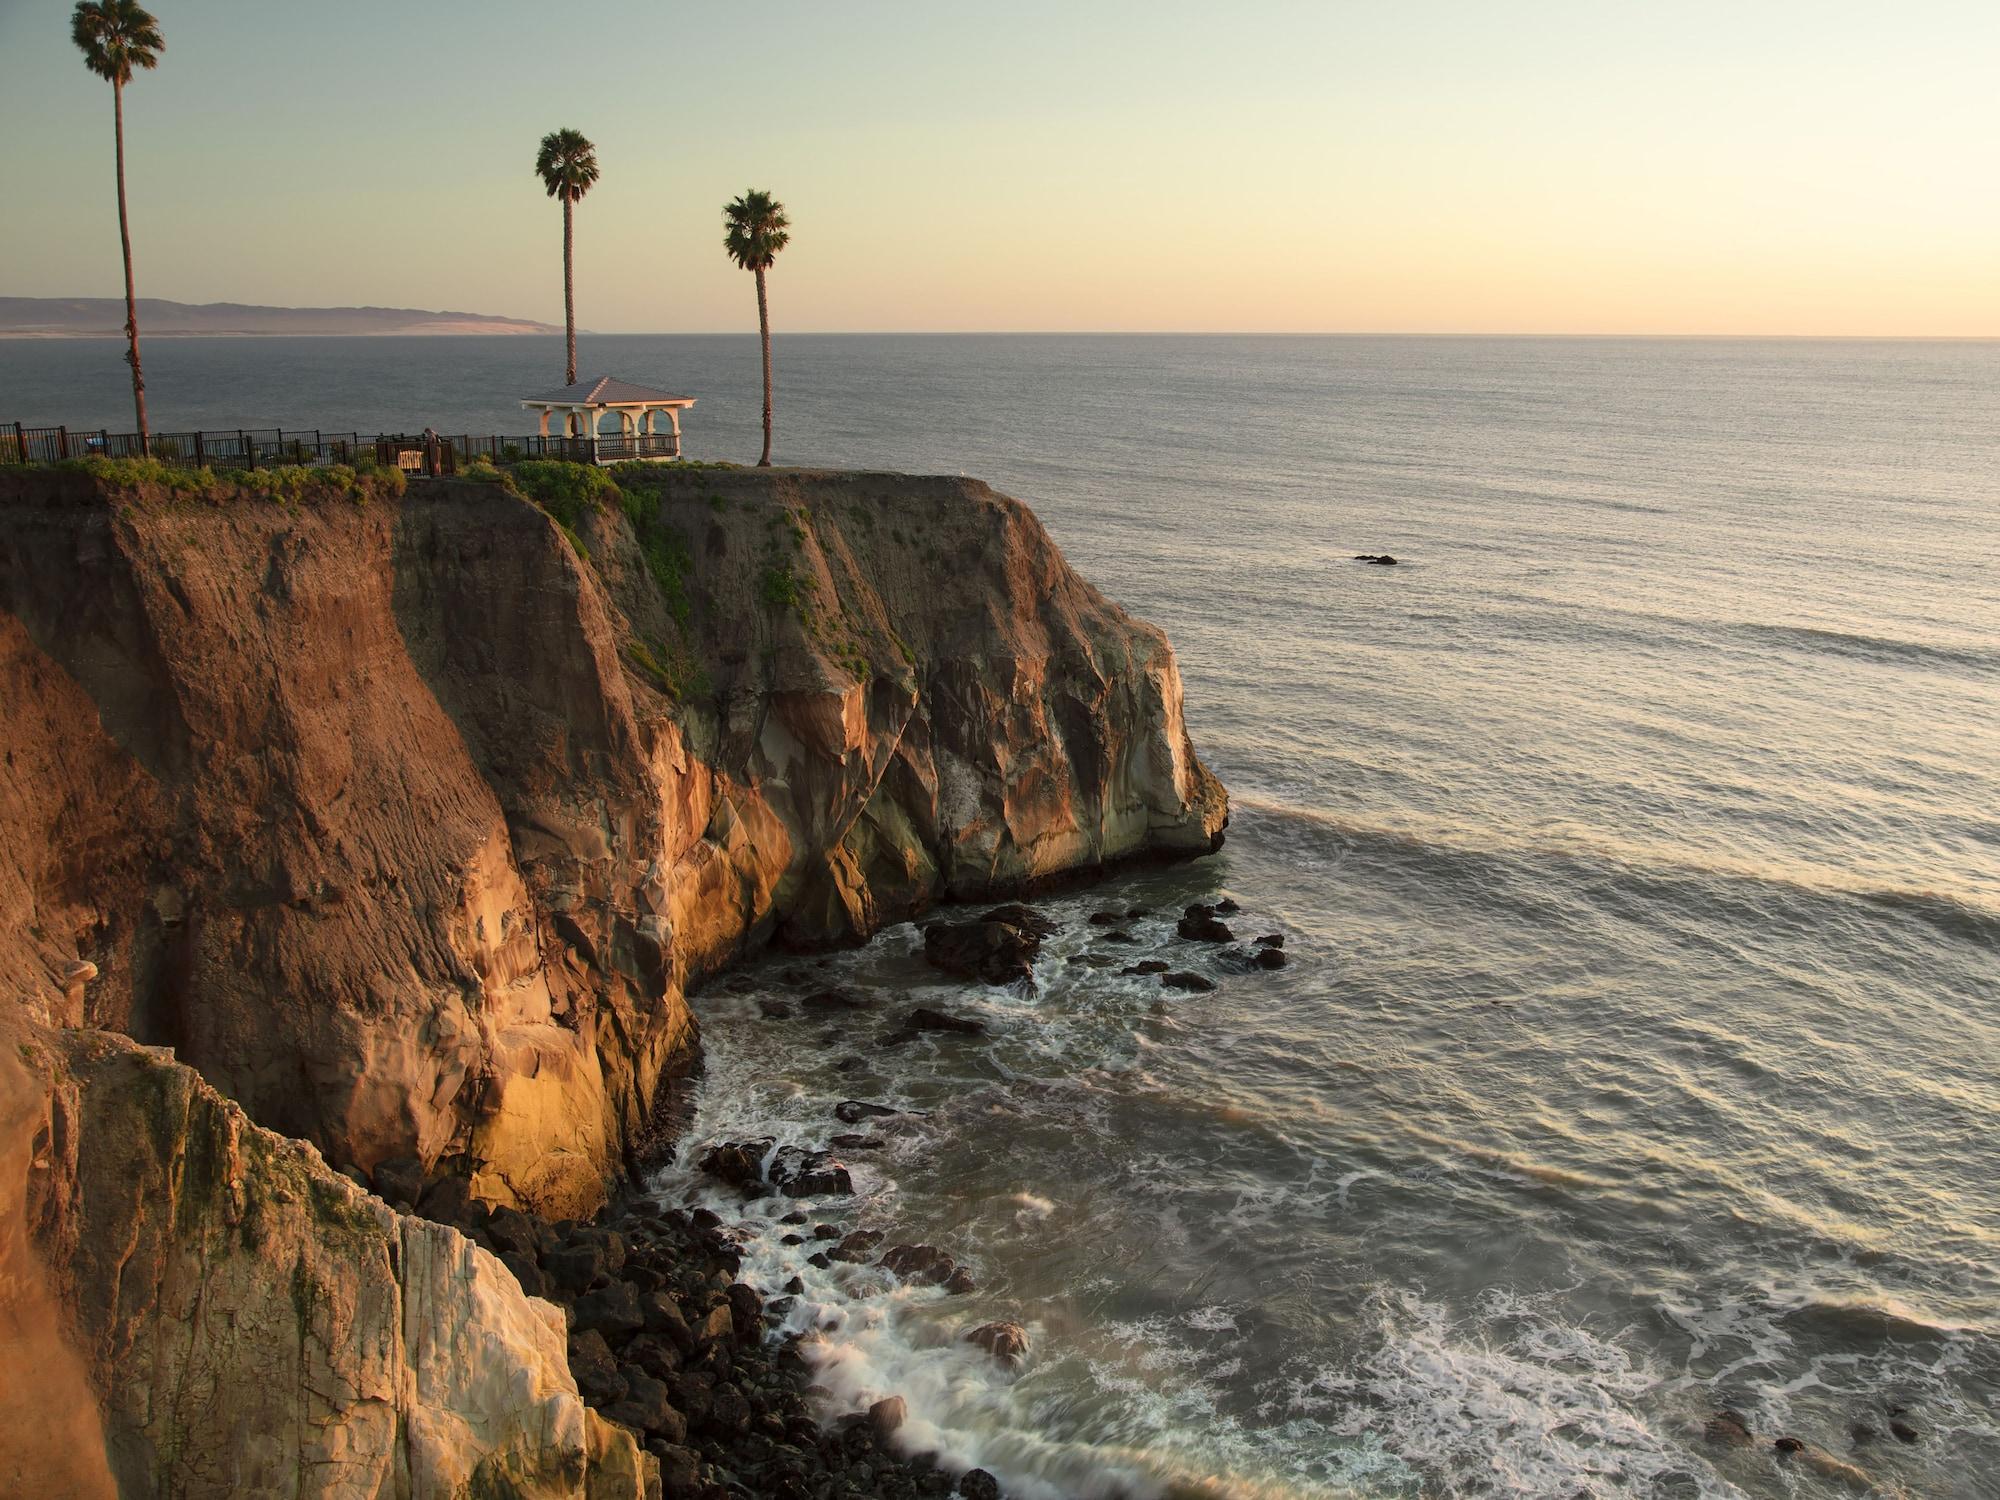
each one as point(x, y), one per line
point(1635, 841)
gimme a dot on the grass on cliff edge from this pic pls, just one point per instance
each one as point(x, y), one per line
point(288, 485)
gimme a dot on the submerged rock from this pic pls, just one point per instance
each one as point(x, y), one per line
point(1183, 980)
point(1380, 559)
point(923, 1018)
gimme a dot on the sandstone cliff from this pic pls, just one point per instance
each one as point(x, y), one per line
point(401, 825)
point(408, 822)
point(251, 1322)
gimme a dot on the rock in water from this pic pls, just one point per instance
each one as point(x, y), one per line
point(1199, 924)
point(887, 1415)
point(1006, 1342)
point(854, 1111)
point(991, 950)
point(1183, 980)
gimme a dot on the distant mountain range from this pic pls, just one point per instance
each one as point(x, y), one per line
point(92, 317)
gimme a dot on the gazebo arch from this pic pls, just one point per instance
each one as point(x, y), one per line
point(582, 408)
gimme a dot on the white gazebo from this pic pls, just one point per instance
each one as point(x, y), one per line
point(580, 408)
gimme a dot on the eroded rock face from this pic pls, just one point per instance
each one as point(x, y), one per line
point(247, 1316)
point(407, 825)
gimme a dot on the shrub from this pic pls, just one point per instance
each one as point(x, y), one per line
point(565, 490)
point(481, 471)
point(784, 589)
point(289, 485)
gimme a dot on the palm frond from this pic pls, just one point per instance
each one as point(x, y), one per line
point(116, 36)
point(754, 229)
point(567, 164)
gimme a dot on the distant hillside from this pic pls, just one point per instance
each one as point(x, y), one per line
point(88, 317)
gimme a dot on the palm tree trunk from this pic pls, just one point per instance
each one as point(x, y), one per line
point(764, 332)
point(569, 293)
point(131, 297)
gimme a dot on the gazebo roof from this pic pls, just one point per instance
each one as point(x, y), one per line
point(607, 391)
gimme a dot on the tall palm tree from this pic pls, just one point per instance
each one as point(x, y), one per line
point(755, 229)
point(115, 37)
point(567, 165)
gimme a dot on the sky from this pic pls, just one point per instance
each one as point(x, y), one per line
point(1420, 166)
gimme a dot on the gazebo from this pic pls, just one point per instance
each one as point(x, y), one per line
point(581, 407)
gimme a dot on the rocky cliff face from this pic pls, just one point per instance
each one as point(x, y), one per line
point(251, 1322)
point(407, 823)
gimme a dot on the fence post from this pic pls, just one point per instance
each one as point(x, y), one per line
point(249, 453)
point(62, 442)
point(20, 442)
point(200, 458)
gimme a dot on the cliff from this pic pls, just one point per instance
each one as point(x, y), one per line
point(400, 825)
point(408, 821)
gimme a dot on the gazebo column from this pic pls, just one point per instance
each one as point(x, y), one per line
point(674, 413)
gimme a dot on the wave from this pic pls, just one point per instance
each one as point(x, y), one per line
point(1954, 915)
point(1867, 647)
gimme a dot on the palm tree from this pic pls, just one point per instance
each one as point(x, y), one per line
point(567, 165)
point(115, 37)
point(755, 230)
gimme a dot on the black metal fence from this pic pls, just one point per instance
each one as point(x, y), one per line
point(269, 447)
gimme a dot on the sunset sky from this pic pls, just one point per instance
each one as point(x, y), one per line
point(1765, 167)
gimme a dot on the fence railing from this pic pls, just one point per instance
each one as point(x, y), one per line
point(270, 447)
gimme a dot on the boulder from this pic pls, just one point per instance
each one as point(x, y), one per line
point(994, 952)
point(729, 1413)
point(925, 1264)
point(886, 1415)
point(1183, 980)
point(854, 1111)
point(798, 1173)
point(611, 1310)
point(680, 1471)
point(399, 1181)
point(647, 1407)
point(1014, 914)
point(977, 1484)
point(1146, 966)
point(1204, 928)
point(1006, 1342)
point(576, 1268)
point(856, 1247)
point(738, 1163)
point(596, 1371)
